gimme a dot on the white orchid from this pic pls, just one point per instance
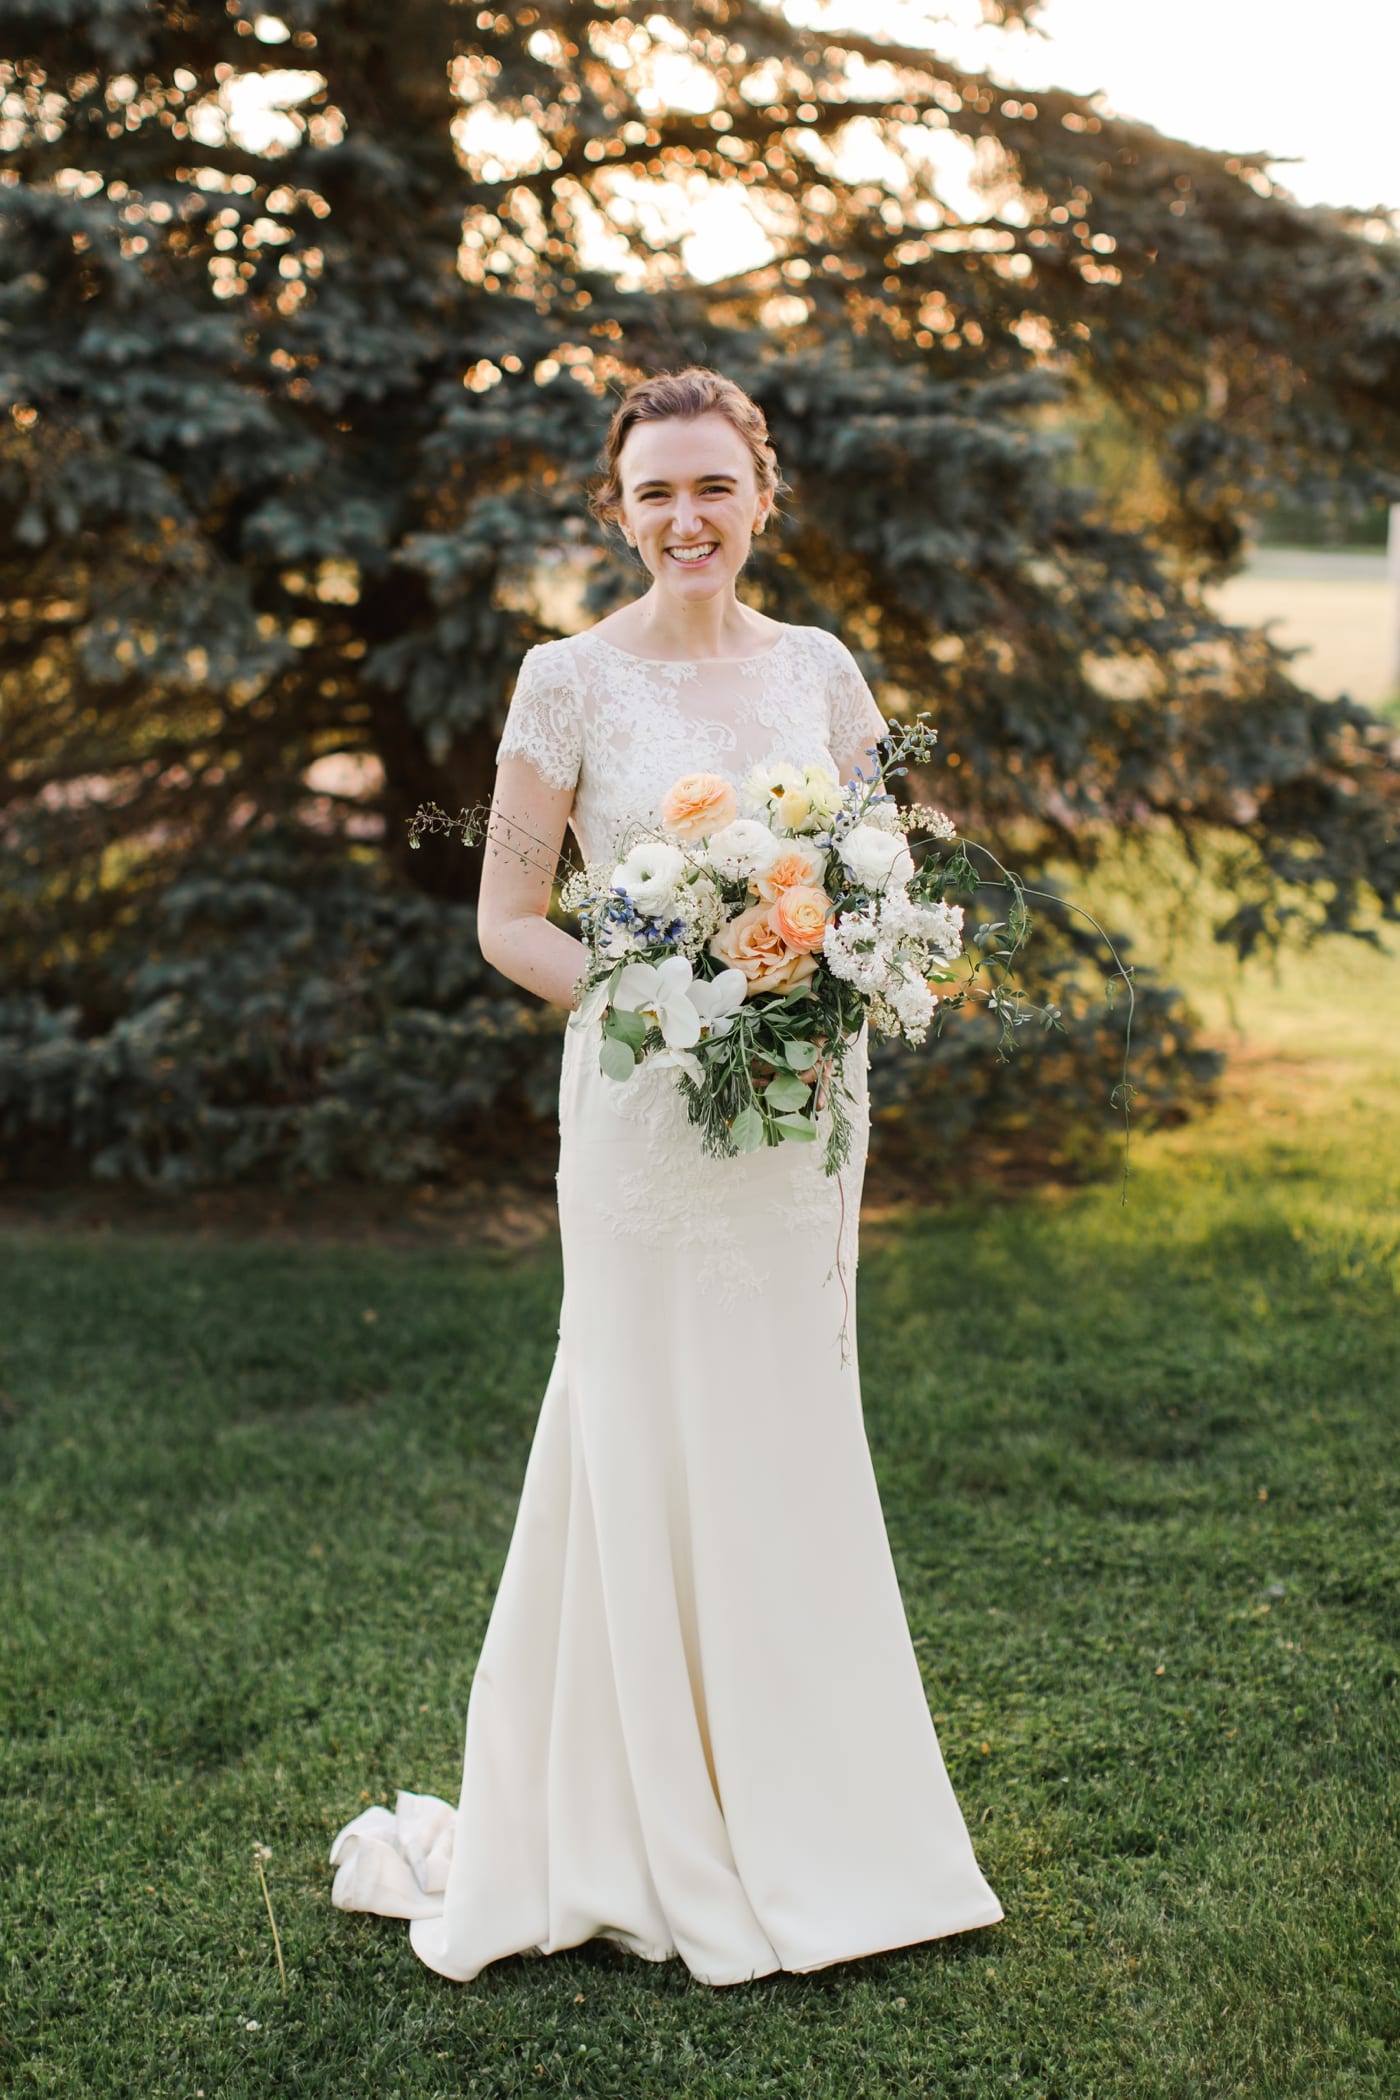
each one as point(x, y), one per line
point(659, 992)
point(718, 999)
point(670, 997)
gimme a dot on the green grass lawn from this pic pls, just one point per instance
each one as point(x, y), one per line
point(1139, 1469)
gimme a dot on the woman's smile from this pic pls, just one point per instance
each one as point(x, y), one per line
point(693, 557)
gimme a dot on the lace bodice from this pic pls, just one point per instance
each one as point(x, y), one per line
point(620, 728)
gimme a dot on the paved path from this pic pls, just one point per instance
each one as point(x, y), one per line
point(1337, 604)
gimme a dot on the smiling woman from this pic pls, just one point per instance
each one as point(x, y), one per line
point(653, 1756)
point(689, 477)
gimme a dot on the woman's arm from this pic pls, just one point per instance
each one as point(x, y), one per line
point(523, 841)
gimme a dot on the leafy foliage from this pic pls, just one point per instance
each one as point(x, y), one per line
point(276, 1020)
point(297, 426)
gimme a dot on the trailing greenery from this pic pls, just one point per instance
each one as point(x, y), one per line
point(296, 433)
point(1139, 1471)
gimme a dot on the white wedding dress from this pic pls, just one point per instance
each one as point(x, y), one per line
point(697, 1725)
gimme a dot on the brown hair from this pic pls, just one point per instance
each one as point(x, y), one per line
point(692, 392)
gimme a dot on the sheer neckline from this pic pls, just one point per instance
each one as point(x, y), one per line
point(591, 634)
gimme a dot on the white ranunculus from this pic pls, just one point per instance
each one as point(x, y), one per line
point(649, 875)
point(660, 992)
point(876, 859)
point(741, 849)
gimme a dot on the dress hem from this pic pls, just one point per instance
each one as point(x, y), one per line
point(777, 1968)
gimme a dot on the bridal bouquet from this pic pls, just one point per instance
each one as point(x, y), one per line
point(745, 941)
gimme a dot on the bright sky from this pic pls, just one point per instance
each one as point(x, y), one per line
point(1316, 83)
point(1293, 77)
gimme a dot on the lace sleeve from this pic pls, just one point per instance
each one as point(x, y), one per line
point(544, 721)
point(854, 722)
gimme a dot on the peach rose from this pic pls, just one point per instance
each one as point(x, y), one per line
point(800, 916)
point(697, 804)
point(752, 943)
point(798, 863)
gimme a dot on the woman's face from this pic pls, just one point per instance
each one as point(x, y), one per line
point(688, 484)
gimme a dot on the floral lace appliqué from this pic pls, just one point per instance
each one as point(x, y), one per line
point(623, 727)
point(545, 722)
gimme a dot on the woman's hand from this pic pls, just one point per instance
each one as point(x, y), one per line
point(524, 834)
point(817, 1075)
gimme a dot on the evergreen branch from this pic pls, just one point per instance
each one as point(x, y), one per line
point(1124, 1093)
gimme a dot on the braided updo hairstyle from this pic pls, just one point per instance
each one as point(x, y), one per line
point(693, 391)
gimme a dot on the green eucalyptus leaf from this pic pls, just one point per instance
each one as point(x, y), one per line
point(615, 1058)
point(747, 1129)
point(802, 1055)
point(796, 1127)
point(787, 1091)
point(629, 1028)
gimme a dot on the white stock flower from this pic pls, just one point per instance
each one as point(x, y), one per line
point(741, 849)
point(914, 1002)
point(649, 875)
point(701, 909)
point(877, 859)
point(936, 823)
point(936, 926)
point(855, 951)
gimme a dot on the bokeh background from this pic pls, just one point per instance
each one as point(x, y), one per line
point(313, 324)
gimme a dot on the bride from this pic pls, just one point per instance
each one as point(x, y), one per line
point(697, 1726)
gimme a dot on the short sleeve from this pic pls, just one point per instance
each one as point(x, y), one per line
point(544, 721)
point(854, 722)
